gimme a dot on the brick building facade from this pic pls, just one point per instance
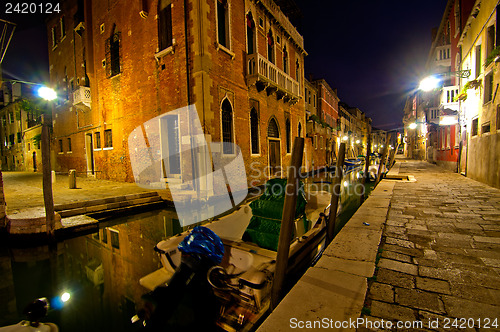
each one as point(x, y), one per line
point(118, 64)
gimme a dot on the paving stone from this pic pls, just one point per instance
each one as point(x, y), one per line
point(382, 292)
point(433, 285)
point(461, 308)
point(475, 293)
point(487, 239)
point(395, 278)
point(419, 299)
point(401, 250)
point(391, 311)
point(398, 266)
point(399, 242)
point(396, 256)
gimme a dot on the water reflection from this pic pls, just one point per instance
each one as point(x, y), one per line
point(100, 271)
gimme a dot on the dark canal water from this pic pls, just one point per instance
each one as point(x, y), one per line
point(101, 271)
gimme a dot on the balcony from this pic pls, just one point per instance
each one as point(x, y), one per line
point(443, 56)
point(82, 96)
point(262, 72)
point(448, 95)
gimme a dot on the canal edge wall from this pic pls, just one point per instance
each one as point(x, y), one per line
point(333, 291)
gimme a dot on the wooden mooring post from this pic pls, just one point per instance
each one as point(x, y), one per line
point(336, 190)
point(287, 221)
point(47, 181)
point(367, 162)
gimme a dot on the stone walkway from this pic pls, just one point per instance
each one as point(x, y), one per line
point(439, 258)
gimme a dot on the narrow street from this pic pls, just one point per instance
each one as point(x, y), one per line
point(440, 251)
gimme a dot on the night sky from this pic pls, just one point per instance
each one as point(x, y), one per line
point(373, 52)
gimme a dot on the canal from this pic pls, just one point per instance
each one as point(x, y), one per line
point(101, 271)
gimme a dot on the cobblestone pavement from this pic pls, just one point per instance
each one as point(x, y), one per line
point(24, 190)
point(439, 258)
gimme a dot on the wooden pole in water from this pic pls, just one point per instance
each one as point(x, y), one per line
point(47, 180)
point(287, 221)
point(382, 160)
point(367, 161)
point(336, 190)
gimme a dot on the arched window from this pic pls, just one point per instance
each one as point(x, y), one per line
point(270, 46)
point(254, 130)
point(250, 34)
point(272, 129)
point(300, 130)
point(227, 127)
point(288, 136)
point(297, 71)
point(164, 24)
point(285, 60)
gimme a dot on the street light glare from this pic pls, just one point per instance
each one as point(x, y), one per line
point(429, 83)
point(412, 125)
point(47, 93)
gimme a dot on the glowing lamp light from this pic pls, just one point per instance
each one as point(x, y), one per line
point(412, 125)
point(65, 297)
point(429, 83)
point(345, 138)
point(358, 141)
point(47, 93)
point(345, 183)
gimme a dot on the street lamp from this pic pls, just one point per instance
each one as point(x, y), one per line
point(412, 125)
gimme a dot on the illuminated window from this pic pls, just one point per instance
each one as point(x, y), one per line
point(164, 24)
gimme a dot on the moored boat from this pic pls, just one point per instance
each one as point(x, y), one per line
point(242, 280)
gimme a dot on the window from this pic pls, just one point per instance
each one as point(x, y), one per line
point(448, 137)
point(457, 16)
point(113, 54)
point(97, 140)
point(285, 60)
point(223, 23)
point(490, 39)
point(300, 130)
point(270, 46)
point(250, 34)
point(457, 136)
point(11, 117)
point(19, 137)
point(273, 129)
point(164, 24)
point(61, 145)
point(105, 235)
point(63, 27)
point(478, 61)
point(315, 142)
point(288, 136)
point(488, 88)
point(297, 74)
point(474, 127)
point(227, 127)
point(485, 128)
point(115, 239)
point(11, 139)
point(254, 130)
point(498, 117)
point(108, 139)
point(69, 144)
point(54, 36)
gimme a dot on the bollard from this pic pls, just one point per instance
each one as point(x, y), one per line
point(53, 176)
point(72, 179)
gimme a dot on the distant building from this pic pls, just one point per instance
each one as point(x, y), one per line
point(20, 130)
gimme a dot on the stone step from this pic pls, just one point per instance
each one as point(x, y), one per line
point(111, 203)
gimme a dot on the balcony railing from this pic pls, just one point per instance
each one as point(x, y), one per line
point(262, 70)
point(82, 96)
point(448, 95)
